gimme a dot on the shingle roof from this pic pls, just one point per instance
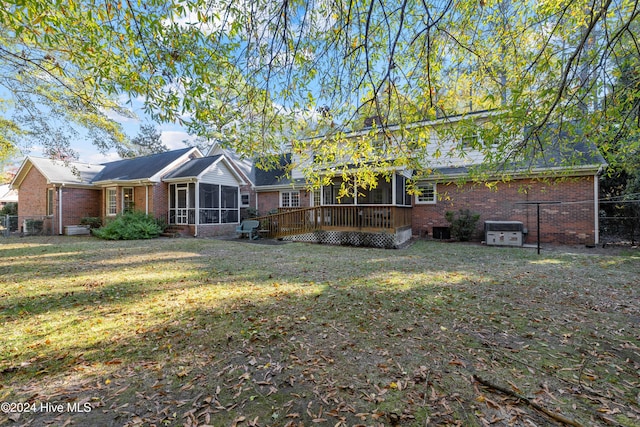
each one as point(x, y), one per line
point(567, 156)
point(192, 168)
point(139, 167)
point(58, 171)
point(273, 176)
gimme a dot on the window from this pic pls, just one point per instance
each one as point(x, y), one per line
point(469, 140)
point(290, 199)
point(337, 194)
point(127, 199)
point(381, 195)
point(111, 205)
point(229, 204)
point(244, 199)
point(402, 197)
point(209, 203)
point(51, 192)
point(427, 193)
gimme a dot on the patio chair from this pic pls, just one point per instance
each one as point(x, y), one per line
point(250, 228)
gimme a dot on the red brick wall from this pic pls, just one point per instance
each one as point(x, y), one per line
point(78, 203)
point(159, 200)
point(33, 194)
point(571, 222)
point(211, 230)
point(271, 200)
point(268, 201)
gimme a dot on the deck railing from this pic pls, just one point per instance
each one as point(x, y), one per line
point(374, 218)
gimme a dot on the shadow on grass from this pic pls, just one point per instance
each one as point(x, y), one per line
point(291, 335)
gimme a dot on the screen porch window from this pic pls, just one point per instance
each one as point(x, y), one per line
point(217, 204)
point(111, 201)
point(229, 204)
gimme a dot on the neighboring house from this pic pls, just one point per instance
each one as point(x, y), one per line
point(199, 194)
point(388, 215)
point(7, 195)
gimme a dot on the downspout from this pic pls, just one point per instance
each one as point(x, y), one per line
point(146, 199)
point(60, 210)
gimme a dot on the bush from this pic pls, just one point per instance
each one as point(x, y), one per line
point(463, 223)
point(130, 226)
point(162, 223)
point(252, 213)
point(91, 221)
point(9, 209)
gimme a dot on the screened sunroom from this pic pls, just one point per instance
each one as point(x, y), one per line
point(204, 192)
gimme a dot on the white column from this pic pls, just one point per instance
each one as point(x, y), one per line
point(60, 210)
point(596, 208)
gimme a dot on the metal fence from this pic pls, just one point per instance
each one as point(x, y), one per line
point(12, 225)
point(620, 221)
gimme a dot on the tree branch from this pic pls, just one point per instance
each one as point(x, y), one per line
point(503, 390)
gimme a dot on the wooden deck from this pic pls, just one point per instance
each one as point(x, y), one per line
point(362, 218)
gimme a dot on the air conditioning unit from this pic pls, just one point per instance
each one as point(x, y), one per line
point(504, 233)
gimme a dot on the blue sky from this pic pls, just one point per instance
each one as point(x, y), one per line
point(172, 136)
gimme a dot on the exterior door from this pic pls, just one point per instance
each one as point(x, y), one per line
point(182, 203)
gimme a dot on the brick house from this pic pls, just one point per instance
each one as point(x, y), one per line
point(198, 194)
point(210, 195)
point(388, 215)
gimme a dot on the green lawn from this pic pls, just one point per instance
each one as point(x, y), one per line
point(211, 332)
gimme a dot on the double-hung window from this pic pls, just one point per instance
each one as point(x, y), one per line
point(427, 193)
point(127, 199)
point(111, 201)
point(290, 199)
point(51, 193)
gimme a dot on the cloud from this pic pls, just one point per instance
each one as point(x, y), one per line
point(173, 139)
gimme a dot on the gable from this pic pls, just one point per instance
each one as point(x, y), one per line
point(57, 172)
point(220, 173)
point(243, 165)
point(212, 169)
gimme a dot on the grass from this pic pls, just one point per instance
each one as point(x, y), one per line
point(197, 332)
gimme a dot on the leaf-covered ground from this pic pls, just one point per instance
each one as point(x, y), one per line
point(207, 332)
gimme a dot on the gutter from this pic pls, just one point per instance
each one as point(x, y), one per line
point(553, 172)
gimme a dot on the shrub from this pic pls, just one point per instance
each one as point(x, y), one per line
point(162, 223)
point(463, 223)
point(252, 213)
point(130, 226)
point(9, 209)
point(91, 221)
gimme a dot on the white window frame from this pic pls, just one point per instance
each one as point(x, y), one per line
point(469, 140)
point(51, 194)
point(242, 203)
point(111, 206)
point(290, 196)
point(432, 200)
